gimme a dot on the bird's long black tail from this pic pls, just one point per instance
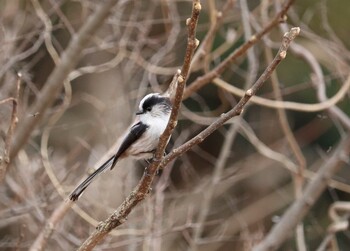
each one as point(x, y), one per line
point(83, 185)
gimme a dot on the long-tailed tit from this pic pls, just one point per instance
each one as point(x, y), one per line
point(142, 138)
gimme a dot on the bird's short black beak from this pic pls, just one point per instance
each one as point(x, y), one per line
point(139, 112)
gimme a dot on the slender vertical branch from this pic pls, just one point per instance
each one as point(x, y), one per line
point(142, 189)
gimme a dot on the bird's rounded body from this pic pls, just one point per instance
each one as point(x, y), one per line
point(142, 138)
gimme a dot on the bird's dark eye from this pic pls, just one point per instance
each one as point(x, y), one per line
point(148, 108)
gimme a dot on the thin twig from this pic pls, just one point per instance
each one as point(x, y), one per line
point(5, 159)
point(143, 188)
point(264, 149)
point(289, 105)
point(216, 19)
point(7, 100)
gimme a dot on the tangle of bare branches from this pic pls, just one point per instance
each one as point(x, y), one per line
point(218, 70)
point(54, 83)
point(280, 232)
point(253, 163)
point(238, 109)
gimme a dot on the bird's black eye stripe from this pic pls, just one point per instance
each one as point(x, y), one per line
point(154, 100)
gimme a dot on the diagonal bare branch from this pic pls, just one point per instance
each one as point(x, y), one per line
point(238, 109)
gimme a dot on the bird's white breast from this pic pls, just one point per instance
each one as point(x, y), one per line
point(142, 149)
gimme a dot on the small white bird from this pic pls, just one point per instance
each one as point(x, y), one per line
point(142, 138)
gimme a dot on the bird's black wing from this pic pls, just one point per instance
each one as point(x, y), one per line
point(135, 133)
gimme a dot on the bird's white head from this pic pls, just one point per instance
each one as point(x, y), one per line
point(154, 107)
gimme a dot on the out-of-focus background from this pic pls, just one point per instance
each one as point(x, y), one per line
point(224, 194)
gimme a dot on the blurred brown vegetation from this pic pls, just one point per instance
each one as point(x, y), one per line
point(224, 194)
